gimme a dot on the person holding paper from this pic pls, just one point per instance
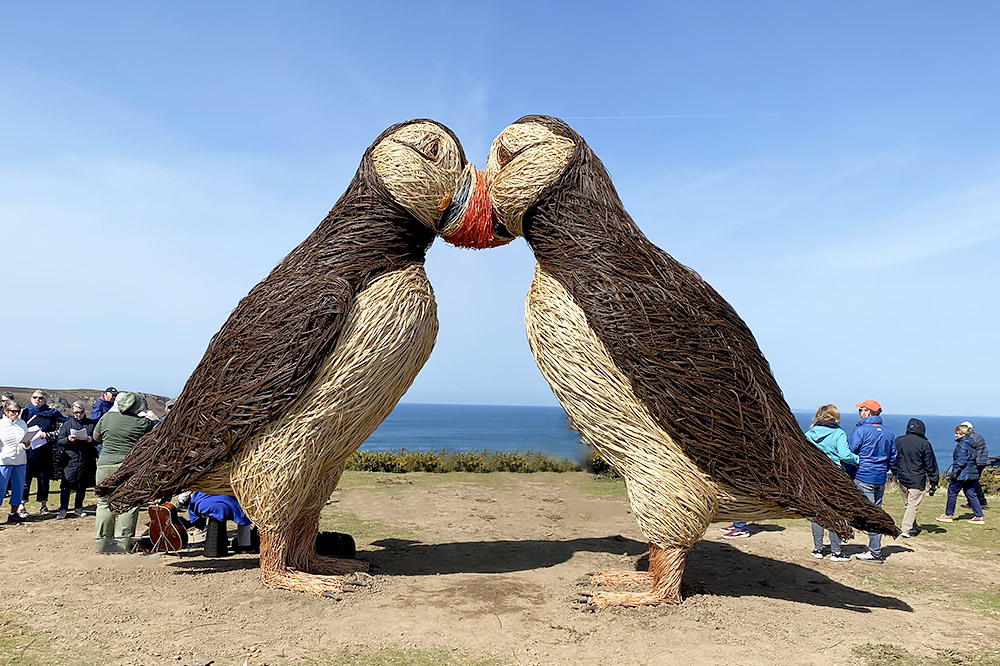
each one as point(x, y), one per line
point(14, 440)
point(76, 459)
point(38, 413)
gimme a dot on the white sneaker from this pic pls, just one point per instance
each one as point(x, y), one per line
point(22, 512)
point(79, 513)
point(869, 556)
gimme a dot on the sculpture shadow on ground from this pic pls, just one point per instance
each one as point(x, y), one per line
point(401, 557)
point(720, 569)
point(713, 568)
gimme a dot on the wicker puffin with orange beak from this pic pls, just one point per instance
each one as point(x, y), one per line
point(654, 367)
point(312, 360)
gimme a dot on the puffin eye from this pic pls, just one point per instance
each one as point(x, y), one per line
point(433, 149)
point(503, 155)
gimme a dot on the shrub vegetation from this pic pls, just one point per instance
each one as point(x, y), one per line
point(400, 461)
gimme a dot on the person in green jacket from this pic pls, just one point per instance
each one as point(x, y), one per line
point(829, 438)
point(117, 431)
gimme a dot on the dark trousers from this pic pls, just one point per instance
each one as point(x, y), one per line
point(41, 469)
point(978, 488)
point(65, 489)
point(968, 487)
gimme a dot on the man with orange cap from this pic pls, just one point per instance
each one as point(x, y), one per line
point(875, 446)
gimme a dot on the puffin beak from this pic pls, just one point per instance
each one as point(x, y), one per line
point(469, 221)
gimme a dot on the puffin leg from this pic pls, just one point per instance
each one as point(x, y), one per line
point(616, 578)
point(666, 565)
point(275, 572)
point(302, 550)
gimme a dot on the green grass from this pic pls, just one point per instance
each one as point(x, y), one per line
point(403, 658)
point(892, 584)
point(22, 647)
point(988, 601)
point(359, 528)
point(606, 486)
point(884, 654)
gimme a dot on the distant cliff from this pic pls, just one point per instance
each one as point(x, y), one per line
point(62, 399)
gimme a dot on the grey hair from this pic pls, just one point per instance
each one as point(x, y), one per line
point(81, 404)
point(11, 404)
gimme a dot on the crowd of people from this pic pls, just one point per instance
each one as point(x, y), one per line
point(872, 455)
point(40, 444)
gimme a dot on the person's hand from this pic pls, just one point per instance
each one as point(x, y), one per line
point(90, 439)
point(71, 438)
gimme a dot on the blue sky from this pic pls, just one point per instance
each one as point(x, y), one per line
point(833, 171)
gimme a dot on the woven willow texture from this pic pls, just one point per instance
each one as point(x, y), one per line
point(522, 186)
point(273, 345)
point(419, 182)
point(688, 358)
point(666, 568)
point(386, 340)
point(672, 500)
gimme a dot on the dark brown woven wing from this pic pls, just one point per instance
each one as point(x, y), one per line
point(275, 341)
point(691, 358)
point(256, 366)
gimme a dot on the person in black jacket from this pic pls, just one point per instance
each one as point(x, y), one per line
point(77, 459)
point(915, 467)
point(982, 460)
point(48, 419)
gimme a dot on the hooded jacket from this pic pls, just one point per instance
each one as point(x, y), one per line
point(120, 429)
point(963, 465)
point(832, 440)
point(916, 464)
point(875, 446)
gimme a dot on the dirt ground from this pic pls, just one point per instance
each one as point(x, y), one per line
point(485, 567)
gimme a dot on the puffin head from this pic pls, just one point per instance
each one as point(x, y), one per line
point(526, 158)
point(420, 163)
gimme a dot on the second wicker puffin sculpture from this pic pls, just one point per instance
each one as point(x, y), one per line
point(312, 360)
point(653, 366)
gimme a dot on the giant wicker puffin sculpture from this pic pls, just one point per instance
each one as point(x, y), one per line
point(312, 360)
point(653, 366)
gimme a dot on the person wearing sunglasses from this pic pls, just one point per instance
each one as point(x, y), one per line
point(77, 461)
point(48, 419)
point(13, 456)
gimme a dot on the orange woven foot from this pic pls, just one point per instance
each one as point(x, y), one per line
point(298, 581)
point(318, 564)
point(631, 600)
point(275, 569)
point(666, 565)
point(621, 578)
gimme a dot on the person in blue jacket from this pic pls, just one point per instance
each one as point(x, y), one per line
point(964, 475)
point(104, 403)
point(875, 446)
point(829, 438)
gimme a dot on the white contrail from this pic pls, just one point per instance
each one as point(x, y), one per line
point(679, 116)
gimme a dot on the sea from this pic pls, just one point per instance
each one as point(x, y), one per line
point(546, 430)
